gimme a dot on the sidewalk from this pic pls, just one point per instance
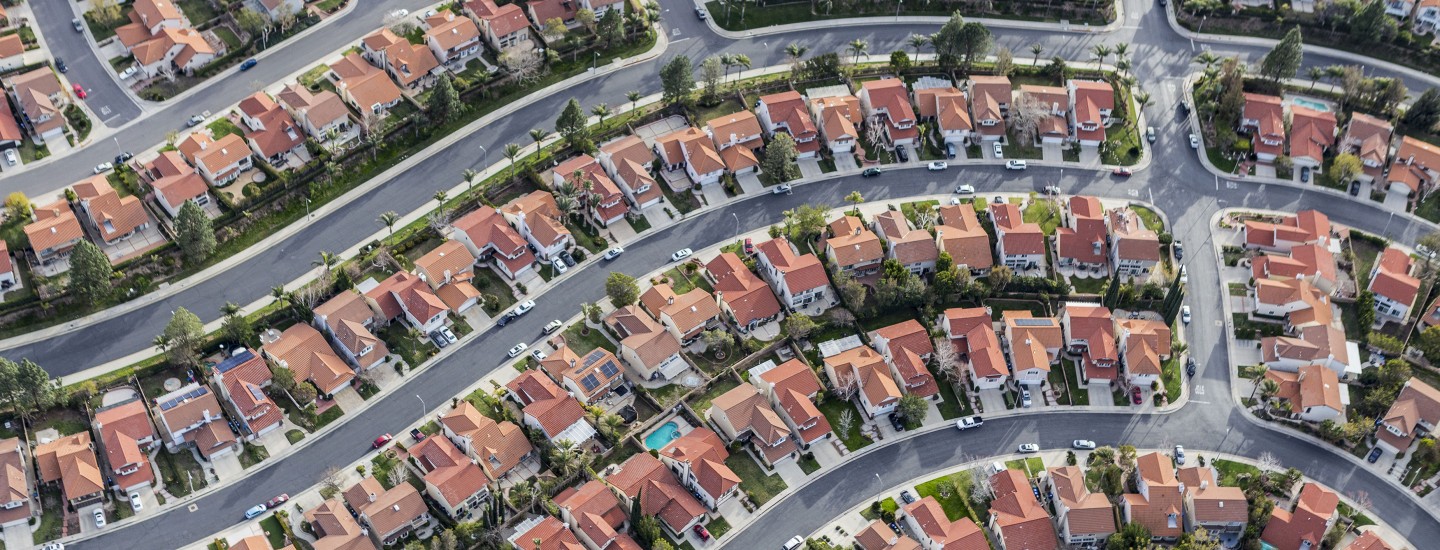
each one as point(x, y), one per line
point(935, 20)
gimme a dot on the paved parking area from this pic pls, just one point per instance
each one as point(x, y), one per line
point(1396, 201)
point(1052, 152)
point(136, 245)
point(659, 128)
point(1089, 156)
point(227, 466)
point(1100, 395)
point(992, 400)
point(714, 194)
point(750, 183)
point(846, 162)
point(810, 167)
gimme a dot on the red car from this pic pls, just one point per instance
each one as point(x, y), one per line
point(701, 532)
point(1135, 395)
point(381, 441)
point(1122, 172)
point(277, 501)
point(749, 247)
point(80, 92)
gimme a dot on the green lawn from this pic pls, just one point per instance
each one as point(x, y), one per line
point(832, 409)
point(639, 225)
point(488, 282)
point(294, 436)
point(753, 480)
point(227, 36)
point(330, 415)
point(809, 464)
point(222, 127)
point(314, 75)
point(1088, 285)
point(682, 283)
point(399, 340)
point(701, 403)
point(1032, 466)
point(1171, 375)
point(1124, 148)
point(1078, 395)
point(1152, 220)
point(180, 471)
point(197, 11)
point(254, 454)
point(50, 519)
point(908, 209)
point(380, 466)
point(1231, 472)
point(273, 532)
point(1045, 213)
point(718, 527)
point(1237, 289)
point(954, 505)
point(583, 344)
point(104, 29)
point(951, 405)
point(887, 504)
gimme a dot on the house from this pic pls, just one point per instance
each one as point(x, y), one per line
point(413, 66)
point(191, 416)
point(698, 459)
point(348, 320)
point(1263, 117)
point(687, 315)
point(12, 52)
point(1393, 286)
point(1034, 345)
point(885, 101)
point(15, 487)
point(1093, 104)
point(645, 345)
point(744, 414)
point(1221, 511)
point(863, 372)
point(952, 113)
point(1144, 345)
point(1312, 134)
point(912, 248)
point(42, 102)
point(601, 7)
point(173, 51)
point(788, 112)
point(853, 248)
point(241, 379)
point(128, 436)
point(408, 296)
point(1019, 244)
point(1296, 301)
point(220, 161)
point(603, 198)
point(323, 115)
point(1369, 540)
point(798, 280)
point(593, 513)
point(1368, 138)
point(335, 527)
point(1083, 517)
point(542, 11)
point(54, 233)
point(173, 190)
point(506, 28)
point(1305, 227)
point(1416, 408)
point(989, 103)
point(549, 409)
point(694, 151)
point(879, 536)
point(738, 138)
point(1426, 17)
point(278, 10)
point(452, 39)
point(1054, 128)
point(837, 115)
point(973, 335)
point(1304, 527)
point(743, 296)
point(8, 278)
point(1414, 170)
point(1090, 331)
point(924, 91)
point(645, 478)
point(1082, 241)
point(364, 86)
point(445, 264)
point(628, 161)
point(1312, 262)
point(539, 220)
point(1313, 393)
point(907, 348)
point(389, 515)
point(486, 234)
point(1016, 517)
point(70, 462)
point(792, 387)
point(497, 447)
point(1322, 345)
point(304, 351)
point(544, 533)
point(272, 133)
point(927, 521)
point(590, 378)
point(1134, 248)
point(1159, 503)
point(10, 134)
point(153, 15)
point(960, 234)
point(1400, 9)
point(111, 217)
point(452, 480)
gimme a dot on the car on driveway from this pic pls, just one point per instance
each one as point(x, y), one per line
point(969, 422)
point(701, 532)
point(1029, 448)
point(518, 349)
point(255, 511)
point(1014, 165)
point(999, 150)
point(381, 441)
point(614, 253)
point(897, 422)
point(135, 503)
point(1355, 188)
point(1304, 174)
point(1373, 456)
point(11, 159)
point(99, 517)
point(127, 73)
point(277, 501)
point(567, 258)
point(439, 339)
point(1135, 395)
point(538, 355)
point(681, 254)
point(1179, 455)
point(559, 266)
point(1083, 444)
point(783, 189)
point(553, 326)
point(524, 306)
point(937, 166)
point(79, 91)
point(1185, 314)
point(1025, 398)
point(870, 173)
point(794, 543)
point(122, 157)
point(901, 154)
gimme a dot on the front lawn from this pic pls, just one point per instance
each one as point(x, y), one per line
point(718, 528)
point(181, 472)
point(1171, 376)
point(1078, 395)
point(681, 283)
point(833, 409)
point(254, 454)
point(753, 480)
point(273, 532)
point(958, 487)
point(888, 505)
point(400, 342)
point(1232, 472)
point(223, 127)
point(908, 209)
point(1151, 219)
point(294, 436)
point(1032, 466)
point(808, 463)
point(583, 344)
point(951, 405)
point(1122, 145)
point(330, 415)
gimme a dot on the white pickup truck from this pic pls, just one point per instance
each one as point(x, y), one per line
point(969, 422)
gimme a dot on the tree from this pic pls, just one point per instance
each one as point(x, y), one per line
point(253, 24)
point(711, 74)
point(1000, 277)
point(571, 126)
point(26, 387)
point(1371, 24)
point(611, 29)
point(1364, 310)
point(676, 81)
point(1026, 117)
point(947, 41)
point(444, 103)
point(1131, 537)
point(235, 328)
point(974, 43)
point(855, 198)
point(899, 62)
point(918, 41)
point(600, 111)
point(330, 482)
point(717, 340)
point(525, 65)
point(913, 408)
point(1284, 59)
point(799, 325)
point(846, 421)
point(621, 289)
point(857, 48)
point(182, 337)
point(780, 158)
point(1101, 52)
point(647, 530)
point(1004, 62)
point(554, 29)
point(193, 232)
point(1422, 115)
point(804, 223)
point(851, 290)
point(389, 218)
point(586, 18)
point(795, 52)
point(1199, 539)
point(1038, 48)
point(18, 206)
point(90, 273)
point(1346, 167)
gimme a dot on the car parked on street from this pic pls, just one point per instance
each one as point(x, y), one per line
point(1052, 189)
point(78, 24)
point(969, 422)
point(103, 167)
point(794, 543)
point(505, 319)
point(1189, 366)
point(277, 501)
point(681, 254)
point(122, 157)
point(700, 13)
point(524, 306)
point(783, 189)
point(248, 64)
point(254, 511)
point(1015, 165)
point(1150, 134)
point(1029, 448)
point(966, 189)
point(1179, 455)
point(1122, 172)
point(518, 349)
point(937, 166)
point(79, 91)
point(60, 66)
point(1194, 141)
point(1083, 444)
point(553, 326)
point(870, 173)
point(381, 441)
point(1185, 314)
point(614, 253)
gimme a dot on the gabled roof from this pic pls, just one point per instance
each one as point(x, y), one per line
point(448, 470)
point(595, 510)
point(592, 374)
point(645, 477)
point(1392, 277)
point(1309, 386)
point(1022, 521)
point(749, 411)
point(1307, 523)
point(110, 213)
point(1088, 513)
point(703, 450)
point(448, 260)
point(1132, 240)
point(498, 446)
point(1369, 138)
point(737, 127)
point(1311, 132)
point(794, 384)
point(788, 108)
point(801, 272)
point(651, 342)
point(853, 244)
point(962, 534)
point(306, 353)
point(748, 297)
point(867, 367)
point(1019, 237)
point(878, 536)
point(70, 461)
point(280, 133)
point(55, 225)
point(960, 234)
point(1162, 512)
point(453, 31)
point(1211, 502)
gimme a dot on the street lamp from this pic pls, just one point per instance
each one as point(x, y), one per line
point(737, 223)
point(594, 60)
point(422, 406)
point(485, 153)
point(307, 208)
point(897, 9)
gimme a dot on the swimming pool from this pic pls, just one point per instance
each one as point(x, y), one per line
point(1310, 103)
point(662, 436)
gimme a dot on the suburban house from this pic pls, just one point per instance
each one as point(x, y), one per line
point(486, 234)
point(1311, 262)
point(1019, 244)
point(744, 414)
point(272, 133)
point(364, 86)
point(10, 134)
point(1016, 516)
point(111, 217)
point(1083, 517)
point(174, 183)
point(913, 248)
point(1368, 138)
point(335, 527)
point(54, 233)
point(1134, 248)
point(1263, 118)
point(1222, 511)
point(1305, 227)
point(413, 66)
point(1034, 345)
point(1312, 134)
point(879, 536)
point(792, 387)
point(452, 39)
point(539, 220)
point(1426, 18)
point(173, 51)
point(593, 514)
point(15, 484)
point(1393, 286)
point(1304, 527)
point(960, 234)
point(933, 95)
point(542, 11)
point(645, 345)
point(1055, 128)
point(277, 10)
point(1090, 331)
point(787, 112)
point(1093, 103)
point(1295, 301)
point(12, 52)
point(743, 296)
point(1416, 408)
point(853, 248)
point(660, 495)
point(1081, 242)
point(128, 436)
point(907, 348)
point(550, 409)
point(589, 378)
point(347, 319)
point(305, 352)
point(604, 200)
point(505, 27)
point(628, 162)
point(973, 335)
point(496, 446)
point(8, 278)
point(1369, 540)
point(220, 161)
point(389, 515)
point(698, 459)
point(837, 114)
point(1144, 346)
point(1159, 501)
point(1415, 168)
point(989, 103)
point(601, 7)
point(550, 533)
point(42, 100)
point(1322, 345)
point(452, 480)
point(241, 379)
point(148, 17)
point(691, 149)
point(798, 280)
point(191, 416)
point(1313, 393)
point(687, 315)
point(738, 138)
point(927, 521)
point(886, 101)
point(862, 371)
point(449, 266)
point(70, 462)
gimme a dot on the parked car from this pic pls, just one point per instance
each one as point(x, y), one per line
point(553, 326)
point(277, 501)
point(1015, 165)
point(399, 13)
point(901, 153)
point(11, 159)
point(1304, 174)
point(1029, 447)
point(255, 511)
point(518, 349)
point(538, 355)
point(1052, 189)
point(1355, 188)
point(135, 503)
point(1189, 366)
point(248, 64)
point(1373, 456)
point(897, 421)
point(445, 331)
point(1150, 134)
point(439, 339)
point(681, 254)
point(559, 266)
point(1179, 455)
point(122, 157)
point(524, 306)
point(906, 497)
point(1083, 444)
point(103, 167)
point(1122, 172)
point(505, 319)
point(936, 166)
point(194, 120)
point(999, 150)
point(1185, 314)
point(614, 253)
point(700, 12)
point(1135, 395)
point(1025, 398)
point(128, 72)
point(966, 189)
point(78, 24)
point(1179, 249)
point(701, 532)
point(782, 189)
point(969, 422)
point(870, 172)
point(416, 435)
point(79, 91)
point(749, 246)
point(60, 66)
point(794, 543)
point(381, 441)
point(1194, 141)
point(1184, 276)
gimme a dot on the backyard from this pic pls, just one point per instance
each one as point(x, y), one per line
point(701, 403)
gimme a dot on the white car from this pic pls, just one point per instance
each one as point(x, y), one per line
point(538, 355)
point(1083, 444)
point(681, 254)
point(783, 189)
point(518, 349)
point(255, 511)
point(1014, 165)
point(553, 326)
point(965, 190)
point(1025, 399)
point(399, 13)
point(104, 167)
point(524, 306)
point(969, 422)
point(1184, 276)
point(99, 517)
point(11, 159)
point(614, 253)
point(999, 150)
point(1194, 141)
point(937, 166)
point(1029, 447)
point(559, 266)
point(794, 543)
point(127, 73)
point(1180, 455)
point(1185, 314)
point(135, 502)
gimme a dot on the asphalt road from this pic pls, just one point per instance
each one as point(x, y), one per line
point(106, 100)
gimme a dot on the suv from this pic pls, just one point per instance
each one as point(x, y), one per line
point(868, 173)
point(1014, 165)
point(969, 422)
point(901, 154)
point(897, 421)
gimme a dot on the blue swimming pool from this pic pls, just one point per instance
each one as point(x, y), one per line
point(1310, 103)
point(662, 436)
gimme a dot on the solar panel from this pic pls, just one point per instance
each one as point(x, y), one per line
point(593, 357)
point(170, 404)
point(1032, 322)
point(590, 382)
point(609, 369)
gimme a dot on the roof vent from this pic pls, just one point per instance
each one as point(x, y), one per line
point(395, 507)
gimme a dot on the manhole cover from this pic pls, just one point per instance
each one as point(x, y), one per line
point(192, 507)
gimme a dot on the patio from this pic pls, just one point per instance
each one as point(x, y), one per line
point(142, 241)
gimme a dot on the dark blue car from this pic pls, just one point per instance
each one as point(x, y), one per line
point(1374, 455)
point(248, 64)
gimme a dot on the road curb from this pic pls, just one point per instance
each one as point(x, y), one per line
point(915, 20)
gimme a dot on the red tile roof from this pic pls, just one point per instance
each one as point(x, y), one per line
point(1307, 523)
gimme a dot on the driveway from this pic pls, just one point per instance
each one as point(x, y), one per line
point(992, 400)
point(1052, 152)
point(1396, 201)
point(227, 466)
point(1100, 395)
point(810, 167)
point(750, 183)
point(714, 194)
point(657, 216)
point(846, 162)
point(1089, 155)
point(18, 537)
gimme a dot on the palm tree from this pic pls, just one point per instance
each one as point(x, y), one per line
point(512, 151)
point(1315, 74)
point(327, 260)
point(1122, 50)
point(1123, 65)
point(858, 48)
point(539, 135)
point(1258, 377)
point(855, 198)
point(600, 111)
point(634, 97)
point(727, 60)
point(1037, 49)
point(1207, 58)
point(612, 424)
point(230, 308)
point(1101, 52)
point(469, 176)
point(1268, 389)
point(795, 52)
point(279, 295)
point(1142, 99)
point(743, 62)
point(389, 219)
point(918, 41)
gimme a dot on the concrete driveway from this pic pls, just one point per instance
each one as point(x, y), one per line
point(992, 400)
point(1396, 201)
point(810, 167)
point(845, 162)
point(227, 466)
point(714, 194)
point(1100, 395)
point(19, 537)
point(1052, 152)
point(750, 183)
